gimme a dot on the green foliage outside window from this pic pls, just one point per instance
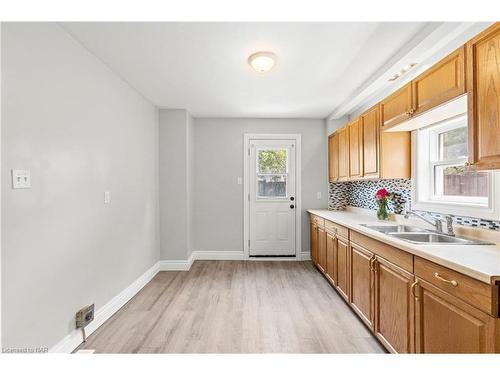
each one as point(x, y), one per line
point(272, 161)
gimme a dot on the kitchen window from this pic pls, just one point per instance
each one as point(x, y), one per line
point(442, 182)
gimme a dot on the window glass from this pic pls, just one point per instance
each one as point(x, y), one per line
point(272, 161)
point(453, 144)
point(270, 186)
point(457, 181)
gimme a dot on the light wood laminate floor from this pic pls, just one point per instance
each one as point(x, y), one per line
point(236, 307)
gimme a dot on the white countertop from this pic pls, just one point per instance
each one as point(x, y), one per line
point(481, 262)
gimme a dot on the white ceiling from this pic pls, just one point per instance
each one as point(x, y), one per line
point(203, 66)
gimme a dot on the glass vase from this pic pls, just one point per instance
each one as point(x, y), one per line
point(382, 210)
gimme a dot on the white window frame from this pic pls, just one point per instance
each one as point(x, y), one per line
point(257, 172)
point(425, 160)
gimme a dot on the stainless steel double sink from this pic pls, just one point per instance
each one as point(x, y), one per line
point(423, 236)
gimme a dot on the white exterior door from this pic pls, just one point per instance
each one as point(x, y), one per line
point(272, 197)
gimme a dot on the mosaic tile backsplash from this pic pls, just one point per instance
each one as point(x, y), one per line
point(362, 193)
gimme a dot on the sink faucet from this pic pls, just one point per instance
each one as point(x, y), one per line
point(436, 223)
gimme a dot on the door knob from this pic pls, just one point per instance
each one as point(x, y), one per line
point(292, 206)
point(292, 198)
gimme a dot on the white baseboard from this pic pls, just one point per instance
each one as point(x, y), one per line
point(74, 339)
point(218, 255)
point(305, 255)
point(176, 265)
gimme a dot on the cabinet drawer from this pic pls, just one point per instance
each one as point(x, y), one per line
point(474, 292)
point(336, 228)
point(320, 222)
point(398, 257)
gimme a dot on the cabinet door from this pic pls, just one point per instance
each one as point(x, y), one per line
point(361, 283)
point(343, 154)
point(394, 307)
point(321, 249)
point(355, 150)
point(371, 138)
point(445, 324)
point(483, 81)
point(343, 267)
point(441, 83)
point(314, 242)
point(396, 107)
point(331, 257)
point(333, 157)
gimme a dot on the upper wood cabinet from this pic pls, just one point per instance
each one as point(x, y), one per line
point(483, 88)
point(370, 123)
point(333, 157)
point(397, 107)
point(442, 82)
point(355, 131)
point(343, 168)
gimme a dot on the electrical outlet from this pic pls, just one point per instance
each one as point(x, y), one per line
point(21, 179)
point(84, 316)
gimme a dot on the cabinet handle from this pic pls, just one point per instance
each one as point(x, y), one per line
point(439, 277)
point(372, 261)
point(412, 288)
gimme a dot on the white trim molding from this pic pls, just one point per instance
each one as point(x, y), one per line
point(69, 343)
point(247, 137)
point(305, 255)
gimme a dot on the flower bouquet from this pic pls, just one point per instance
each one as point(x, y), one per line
point(382, 197)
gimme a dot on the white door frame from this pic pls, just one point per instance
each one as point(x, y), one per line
point(246, 189)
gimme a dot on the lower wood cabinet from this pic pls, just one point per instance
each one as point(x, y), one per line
point(394, 307)
point(331, 257)
point(361, 283)
point(342, 279)
point(314, 242)
point(445, 324)
point(410, 304)
point(322, 249)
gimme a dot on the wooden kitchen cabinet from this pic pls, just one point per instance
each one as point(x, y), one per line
point(333, 157)
point(445, 324)
point(342, 279)
point(483, 89)
point(331, 257)
point(370, 123)
point(361, 289)
point(343, 168)
point(397, 107)
point(355, 132)
point(314, 241)
point(442, 82)
point(394, 307)
point(321, 249)
point(385, 154)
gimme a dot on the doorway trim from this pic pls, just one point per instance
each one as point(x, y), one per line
point(247, 137)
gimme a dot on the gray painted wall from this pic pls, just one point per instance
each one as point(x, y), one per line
point(218, 162)
point(81, 131)
point(175, 180)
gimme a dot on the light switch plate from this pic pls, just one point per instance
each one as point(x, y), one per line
point(21, 179)
point(107, 197)
point(318, 195)
point(239, 181)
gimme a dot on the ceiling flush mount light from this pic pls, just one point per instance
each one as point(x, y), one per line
point(402, 71)
point(262, 62)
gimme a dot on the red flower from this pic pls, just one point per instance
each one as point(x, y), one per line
point(381, 194)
